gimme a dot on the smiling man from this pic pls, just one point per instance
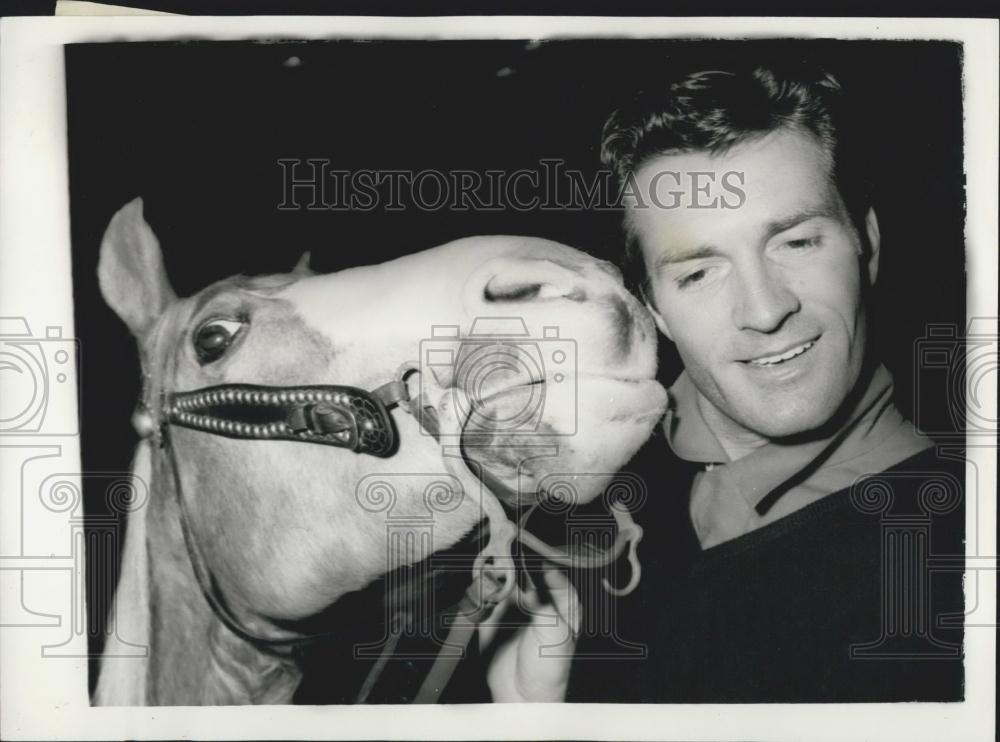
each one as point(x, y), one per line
point(752, 240)
point(765, 305)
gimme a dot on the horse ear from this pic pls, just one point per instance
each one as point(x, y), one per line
point(130, 270)
point(302, 267)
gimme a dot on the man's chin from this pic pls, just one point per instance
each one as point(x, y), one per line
point(782, 418)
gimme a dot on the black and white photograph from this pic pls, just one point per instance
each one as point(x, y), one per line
point(631, 370)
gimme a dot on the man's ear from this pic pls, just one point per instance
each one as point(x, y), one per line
point(130, 270)
point(874, 243)
point(657, 317)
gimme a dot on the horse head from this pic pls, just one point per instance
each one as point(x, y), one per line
point(552, 366)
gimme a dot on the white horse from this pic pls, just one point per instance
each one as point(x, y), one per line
point(248, 530)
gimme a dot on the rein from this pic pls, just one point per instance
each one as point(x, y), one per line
point(359, 420)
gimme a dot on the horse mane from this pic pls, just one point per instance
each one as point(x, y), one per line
point(123, 676)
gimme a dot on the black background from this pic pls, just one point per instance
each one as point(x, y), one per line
point(196, 129)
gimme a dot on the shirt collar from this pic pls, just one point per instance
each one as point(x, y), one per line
point(687, 433)
point(869, 419)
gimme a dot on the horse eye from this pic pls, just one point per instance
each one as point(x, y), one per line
point(214, 337)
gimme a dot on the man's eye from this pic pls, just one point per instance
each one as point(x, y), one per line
point(214, 337)
point(691, 279)
point(804, 242)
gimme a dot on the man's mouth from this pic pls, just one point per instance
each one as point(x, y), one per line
point(782, 356)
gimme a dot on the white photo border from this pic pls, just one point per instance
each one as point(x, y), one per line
point(47, 697)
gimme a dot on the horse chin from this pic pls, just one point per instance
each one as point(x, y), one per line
point(584, 445)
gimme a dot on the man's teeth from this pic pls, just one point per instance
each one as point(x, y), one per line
point(787, 355)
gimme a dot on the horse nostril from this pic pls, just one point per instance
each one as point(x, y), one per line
point(499, 291)
point(494, 292)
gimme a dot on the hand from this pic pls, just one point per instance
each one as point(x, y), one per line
point(520, 671)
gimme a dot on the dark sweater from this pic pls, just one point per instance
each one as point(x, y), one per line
point(773, 615)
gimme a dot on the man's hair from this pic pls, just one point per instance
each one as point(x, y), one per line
point(714, 110)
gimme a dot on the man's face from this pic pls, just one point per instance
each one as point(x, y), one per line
point(764, 301)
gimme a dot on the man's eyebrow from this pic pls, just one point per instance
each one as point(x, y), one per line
point(823, 211)
point(695, 253)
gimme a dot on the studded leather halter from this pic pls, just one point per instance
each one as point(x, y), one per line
point(341, 416)
point(358, 420)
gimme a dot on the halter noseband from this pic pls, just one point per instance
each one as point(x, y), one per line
point(341, 416)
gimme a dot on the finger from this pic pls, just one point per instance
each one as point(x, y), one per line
point(564, 597)
point(488, 626)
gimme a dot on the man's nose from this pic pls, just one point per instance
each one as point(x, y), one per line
point(765, 301)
